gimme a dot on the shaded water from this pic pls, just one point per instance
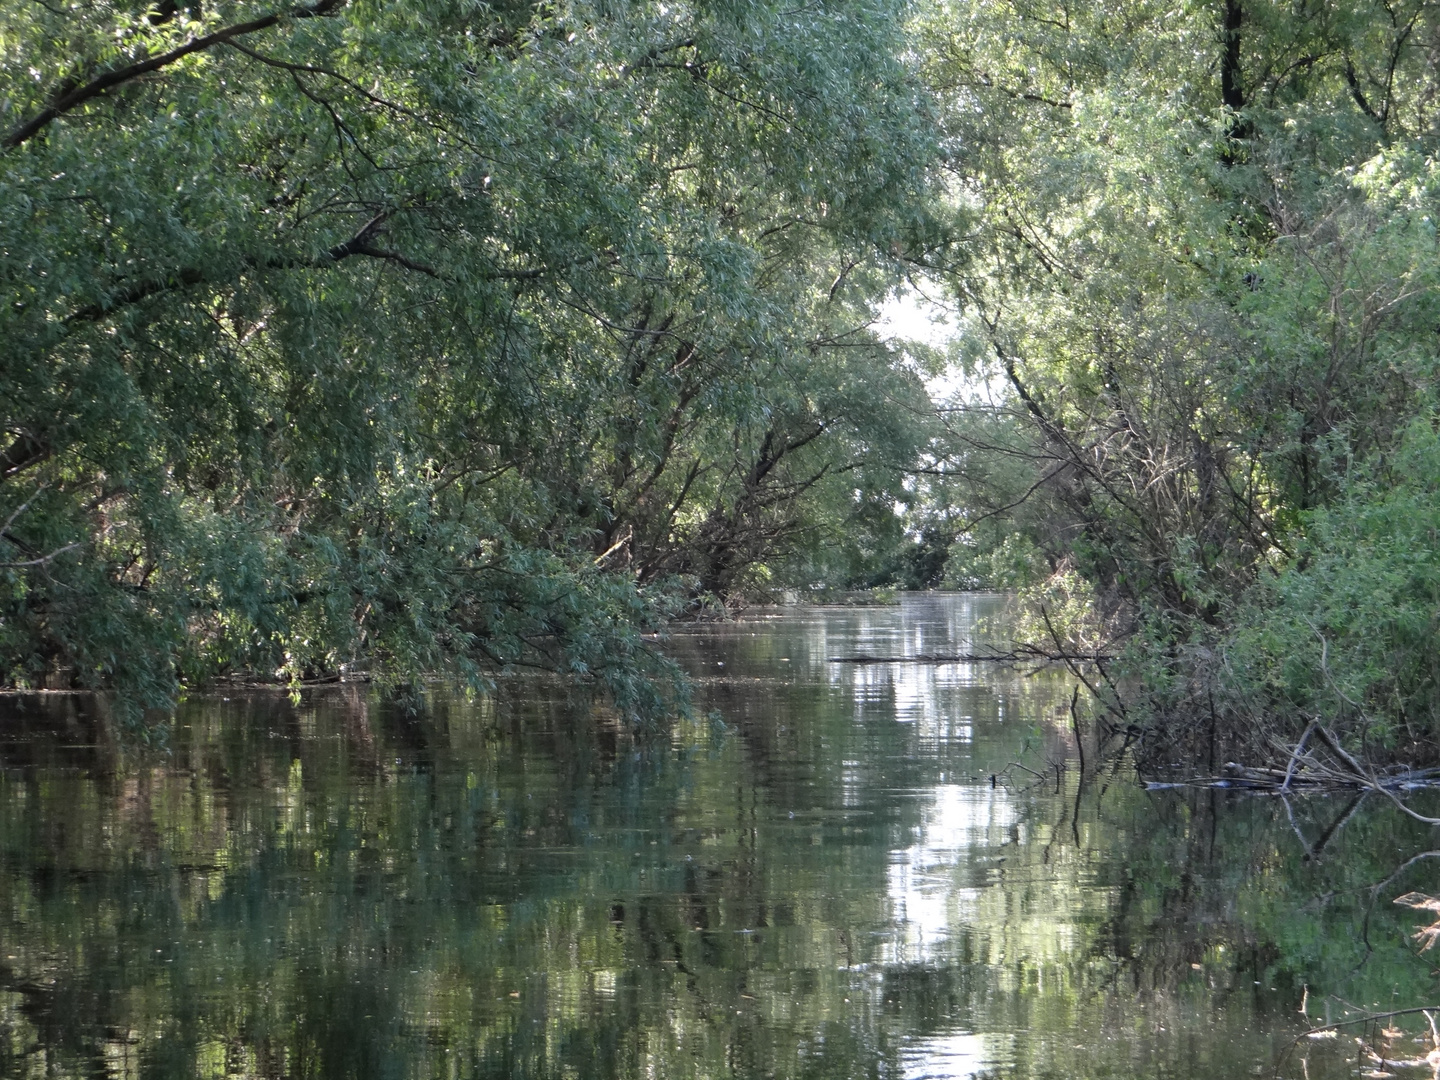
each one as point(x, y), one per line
point(828, 884)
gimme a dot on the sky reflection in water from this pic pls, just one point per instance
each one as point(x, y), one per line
point(831, 885)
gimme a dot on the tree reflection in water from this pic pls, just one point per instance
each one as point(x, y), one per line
point(829, 887)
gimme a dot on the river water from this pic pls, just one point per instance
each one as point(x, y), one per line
point(837, 870)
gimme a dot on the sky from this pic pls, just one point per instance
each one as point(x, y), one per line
point(924, 316)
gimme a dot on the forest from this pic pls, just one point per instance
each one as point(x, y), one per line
point(379, 340)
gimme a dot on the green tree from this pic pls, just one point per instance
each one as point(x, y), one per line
point(355, 337)
point(1207, 281)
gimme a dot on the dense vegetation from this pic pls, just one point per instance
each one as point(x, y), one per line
point(1205, 278)
point(397, 337)
point(389, 338)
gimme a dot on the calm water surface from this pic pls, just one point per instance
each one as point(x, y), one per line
point(850, 871)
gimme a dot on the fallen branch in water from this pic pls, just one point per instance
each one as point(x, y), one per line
point(1015, 656)
point(1308, 770)
point(1330, 1030)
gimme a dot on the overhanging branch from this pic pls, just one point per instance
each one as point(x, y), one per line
point(362, 243)
point(74, 98)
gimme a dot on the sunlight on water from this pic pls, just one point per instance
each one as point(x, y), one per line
point(863, 870)
point(948, 1057)
point(927, 890)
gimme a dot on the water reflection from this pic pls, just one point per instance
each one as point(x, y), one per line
point(851, 879)
point(933, 885)
point(944, 1057)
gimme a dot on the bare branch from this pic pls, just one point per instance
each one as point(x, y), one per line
point(42, 560)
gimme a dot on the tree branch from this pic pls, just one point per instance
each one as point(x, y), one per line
point(42, 560)
point(1352, 80)
point(74, 98)
point(362, 243)
point(24, 451)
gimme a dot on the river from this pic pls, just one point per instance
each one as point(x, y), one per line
point(836, 870)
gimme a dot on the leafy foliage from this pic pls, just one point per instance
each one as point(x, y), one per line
point(401, 337)
point(1350, 628)
point(1208, 281)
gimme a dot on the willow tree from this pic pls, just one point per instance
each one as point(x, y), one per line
point(361, 336)
point(1209, 286)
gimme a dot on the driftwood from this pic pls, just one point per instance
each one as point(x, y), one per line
point(1328, 767)
point(1370, 1052)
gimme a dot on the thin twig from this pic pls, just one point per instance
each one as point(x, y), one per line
point(1079, 737)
